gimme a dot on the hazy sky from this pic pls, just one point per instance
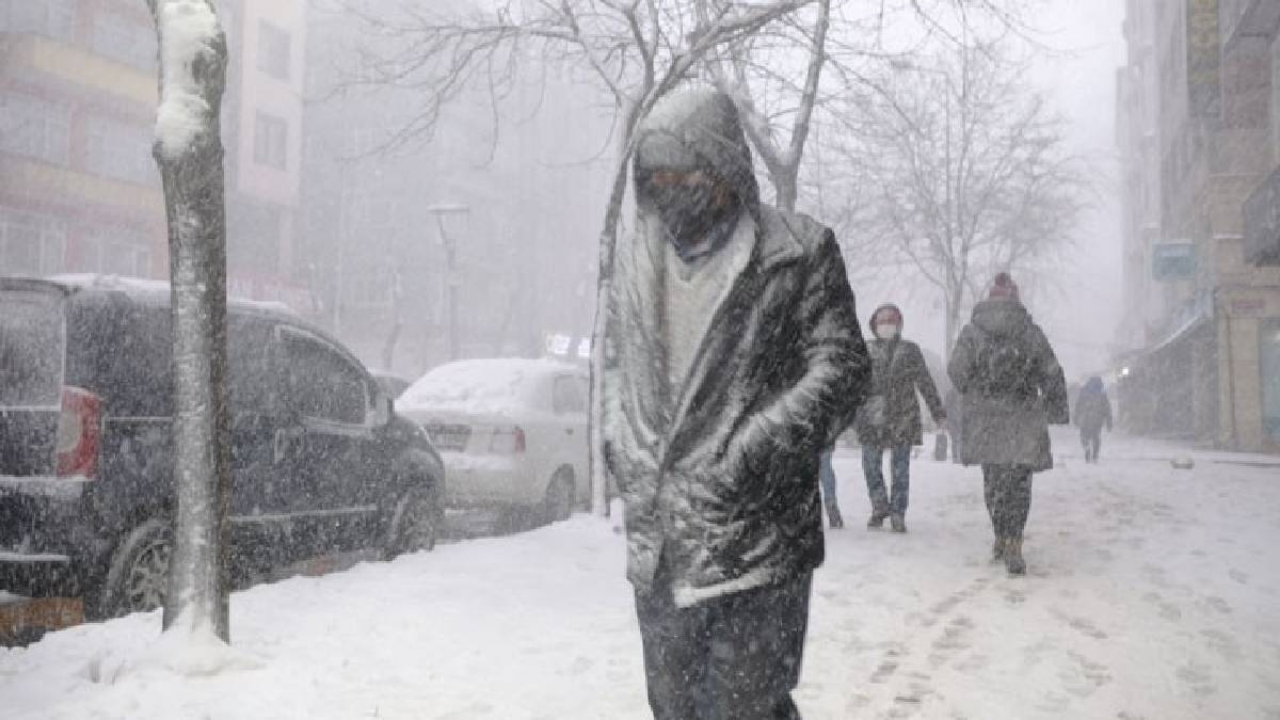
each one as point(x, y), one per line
point(1081, 80)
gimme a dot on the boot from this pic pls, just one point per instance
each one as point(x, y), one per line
point(877, 520)
point(898, 523)
point(997, 550)
point(1013, 557)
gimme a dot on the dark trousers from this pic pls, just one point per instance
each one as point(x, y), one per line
point(899, 497)
point(732, 658)
point(1091, 439)
point(1007, 489)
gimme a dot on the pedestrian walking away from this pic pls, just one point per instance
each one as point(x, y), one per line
point(890, 419)
point(1012, 388)
point(732, 358)
point(1093, 412)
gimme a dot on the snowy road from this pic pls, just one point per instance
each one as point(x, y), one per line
point(1153, 593)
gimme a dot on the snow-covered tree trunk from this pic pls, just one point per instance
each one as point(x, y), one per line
point(188, 149)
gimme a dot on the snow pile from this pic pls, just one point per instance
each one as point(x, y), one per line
point(189, 30)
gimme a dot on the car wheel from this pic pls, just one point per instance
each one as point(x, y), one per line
point(138, 578)
point(414, 525)
point(558, 504)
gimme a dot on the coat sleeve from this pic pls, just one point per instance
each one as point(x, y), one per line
point(813, 412)
point(924, 383)
point(1053, 382)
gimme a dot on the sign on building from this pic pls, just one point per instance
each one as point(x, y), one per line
point(1173, 260)
point(1204, 59)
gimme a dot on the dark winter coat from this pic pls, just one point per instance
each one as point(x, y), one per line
point(720, 476)
point(898, 372)
point(1005, 419)
point(1093, 408)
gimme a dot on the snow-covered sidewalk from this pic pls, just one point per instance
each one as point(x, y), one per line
point(1153, 593)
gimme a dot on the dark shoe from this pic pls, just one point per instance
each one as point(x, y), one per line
point(898, 523)
point(1013, 561)
point(997, 550)
point(877, 521)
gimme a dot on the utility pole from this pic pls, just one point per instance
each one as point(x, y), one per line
point(451, 267)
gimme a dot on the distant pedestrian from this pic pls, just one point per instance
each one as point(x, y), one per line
point(1012, 388)
point(732, 359)
point(1093, 412)
point(890, 419)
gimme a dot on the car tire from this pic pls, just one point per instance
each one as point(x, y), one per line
point(138, 577)
point(559, 501)
point(414, 524)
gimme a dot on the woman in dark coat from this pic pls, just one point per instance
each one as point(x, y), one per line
point(1093, 412)
point(890, 420)
point(1012, 388)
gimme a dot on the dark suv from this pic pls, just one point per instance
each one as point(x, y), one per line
point(320, 462)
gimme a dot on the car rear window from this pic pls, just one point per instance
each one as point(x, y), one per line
point(32, 339)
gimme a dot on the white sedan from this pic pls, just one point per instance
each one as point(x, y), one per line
point(512, 433)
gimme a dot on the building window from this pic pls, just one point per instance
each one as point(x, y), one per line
point(35, 128)
point(31, 244)
point(126, 40)
point(273, 50)
point(270, 140)
point(121, 151)
point(52, 18)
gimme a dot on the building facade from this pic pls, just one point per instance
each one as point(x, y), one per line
point(79, 190)
point(1197, 130)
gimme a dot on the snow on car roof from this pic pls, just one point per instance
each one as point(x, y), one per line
point(147, 287)
point(479, 385)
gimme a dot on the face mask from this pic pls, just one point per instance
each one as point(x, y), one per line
point(886, 331)
point(688, 210)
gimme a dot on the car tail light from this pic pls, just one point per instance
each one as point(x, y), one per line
point(79, 433)
point(508, 441)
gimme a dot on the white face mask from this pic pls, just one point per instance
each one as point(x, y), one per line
point(886, 331)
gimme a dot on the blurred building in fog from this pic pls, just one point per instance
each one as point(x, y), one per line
point(1199, 133)
point(79, 190)
point(475, 239)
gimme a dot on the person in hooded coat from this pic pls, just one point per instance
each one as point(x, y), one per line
point(1093, 412)
point(732, 357)
point(1012, 388)
point(890, 419)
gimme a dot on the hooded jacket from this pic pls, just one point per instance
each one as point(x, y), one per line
point(898, 372)
point(1093, 408)
point(720, 474)
point(1006, 422)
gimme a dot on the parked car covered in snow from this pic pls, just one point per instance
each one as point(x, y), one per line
point(513, 433)
point(320, 462)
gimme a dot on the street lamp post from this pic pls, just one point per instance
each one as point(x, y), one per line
point(451, 267)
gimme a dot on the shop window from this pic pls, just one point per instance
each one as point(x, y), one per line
point(1269, 350)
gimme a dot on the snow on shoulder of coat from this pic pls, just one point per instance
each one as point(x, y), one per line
point(189, 31)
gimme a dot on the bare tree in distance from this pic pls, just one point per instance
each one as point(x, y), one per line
point(964, 172)
point(188, 150)
point(637, 52)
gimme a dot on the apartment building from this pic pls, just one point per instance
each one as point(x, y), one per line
point(79, 190)
point(1197, 129)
